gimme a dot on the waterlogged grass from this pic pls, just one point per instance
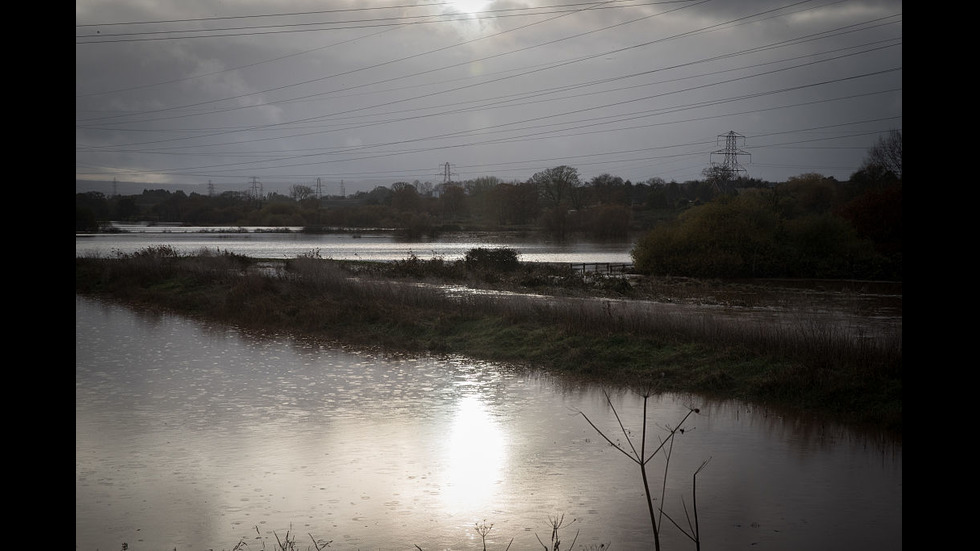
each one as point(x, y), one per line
point(403, 307)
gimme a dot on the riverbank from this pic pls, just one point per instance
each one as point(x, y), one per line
point(535, 316)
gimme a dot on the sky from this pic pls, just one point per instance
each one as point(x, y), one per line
point(340, 94)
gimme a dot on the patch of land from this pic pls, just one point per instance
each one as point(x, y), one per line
point(796, 345)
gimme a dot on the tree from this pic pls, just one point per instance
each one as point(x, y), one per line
point(94, 201)
point(827, 246)
point(513, 203)
point(809, 193)
point(877, 215)
point(171, 208)
point(610, 221)
point(886, 154)
point(556, 185)
point(452, 201)
point(85, 219)
point(524, 203)
point(608, 189)
point(557, 188)
point(125, 208)
point(301, 192)
point(745, 236)
point(723, 180)
point(674, 194)
point(481, 185)
point(656, 196)
point(380, 195)
point(405, 197)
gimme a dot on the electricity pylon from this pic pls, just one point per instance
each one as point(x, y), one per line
point(729, 170)
point(447, 175)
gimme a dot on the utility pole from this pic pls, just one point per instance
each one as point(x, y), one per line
point(210, 189)
point(343, 192)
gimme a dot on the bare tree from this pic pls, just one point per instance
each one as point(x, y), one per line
point(556, 185)
point(608, 189)
point(558, 189)
point(299, 192)
point(887, 154)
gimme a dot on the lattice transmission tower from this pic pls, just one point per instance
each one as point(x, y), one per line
point(447, 174)
point(255, 191)
point(730, 170)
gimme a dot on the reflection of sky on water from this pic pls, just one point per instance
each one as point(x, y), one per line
point(194, 436)
point(383, 247)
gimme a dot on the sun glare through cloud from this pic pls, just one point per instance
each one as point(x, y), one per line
point(469, 6)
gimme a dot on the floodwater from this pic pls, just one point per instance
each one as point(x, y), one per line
point(193, 436)
point(872, 314)
point(367, 245)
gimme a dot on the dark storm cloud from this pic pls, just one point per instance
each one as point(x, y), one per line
point(294, 91)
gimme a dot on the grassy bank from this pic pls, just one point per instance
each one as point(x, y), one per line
point(403, 307)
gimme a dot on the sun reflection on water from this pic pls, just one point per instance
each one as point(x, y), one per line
point(476, 457)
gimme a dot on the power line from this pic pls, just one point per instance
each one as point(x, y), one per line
point(320, 26)
point(486, 129)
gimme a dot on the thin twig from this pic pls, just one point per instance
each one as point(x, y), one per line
point(613, 444)
point(695, 532)
point(621, 427)
point(641, 459)
point(694, 494)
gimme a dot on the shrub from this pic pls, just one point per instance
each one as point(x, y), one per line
point(743, 237)
point(498, 260)
point(826, 246)
point(158, 251)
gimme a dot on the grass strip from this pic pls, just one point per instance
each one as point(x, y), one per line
point(814, 374)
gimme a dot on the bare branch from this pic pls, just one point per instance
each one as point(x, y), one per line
point(622, 428)
point(611, 443)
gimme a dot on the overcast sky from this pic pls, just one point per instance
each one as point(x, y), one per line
point(282, 91)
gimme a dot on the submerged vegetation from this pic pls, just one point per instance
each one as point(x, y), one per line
point(580, 325)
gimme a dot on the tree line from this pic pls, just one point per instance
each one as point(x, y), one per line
point(720, 226)
point(806, 227)
point(553, 200)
